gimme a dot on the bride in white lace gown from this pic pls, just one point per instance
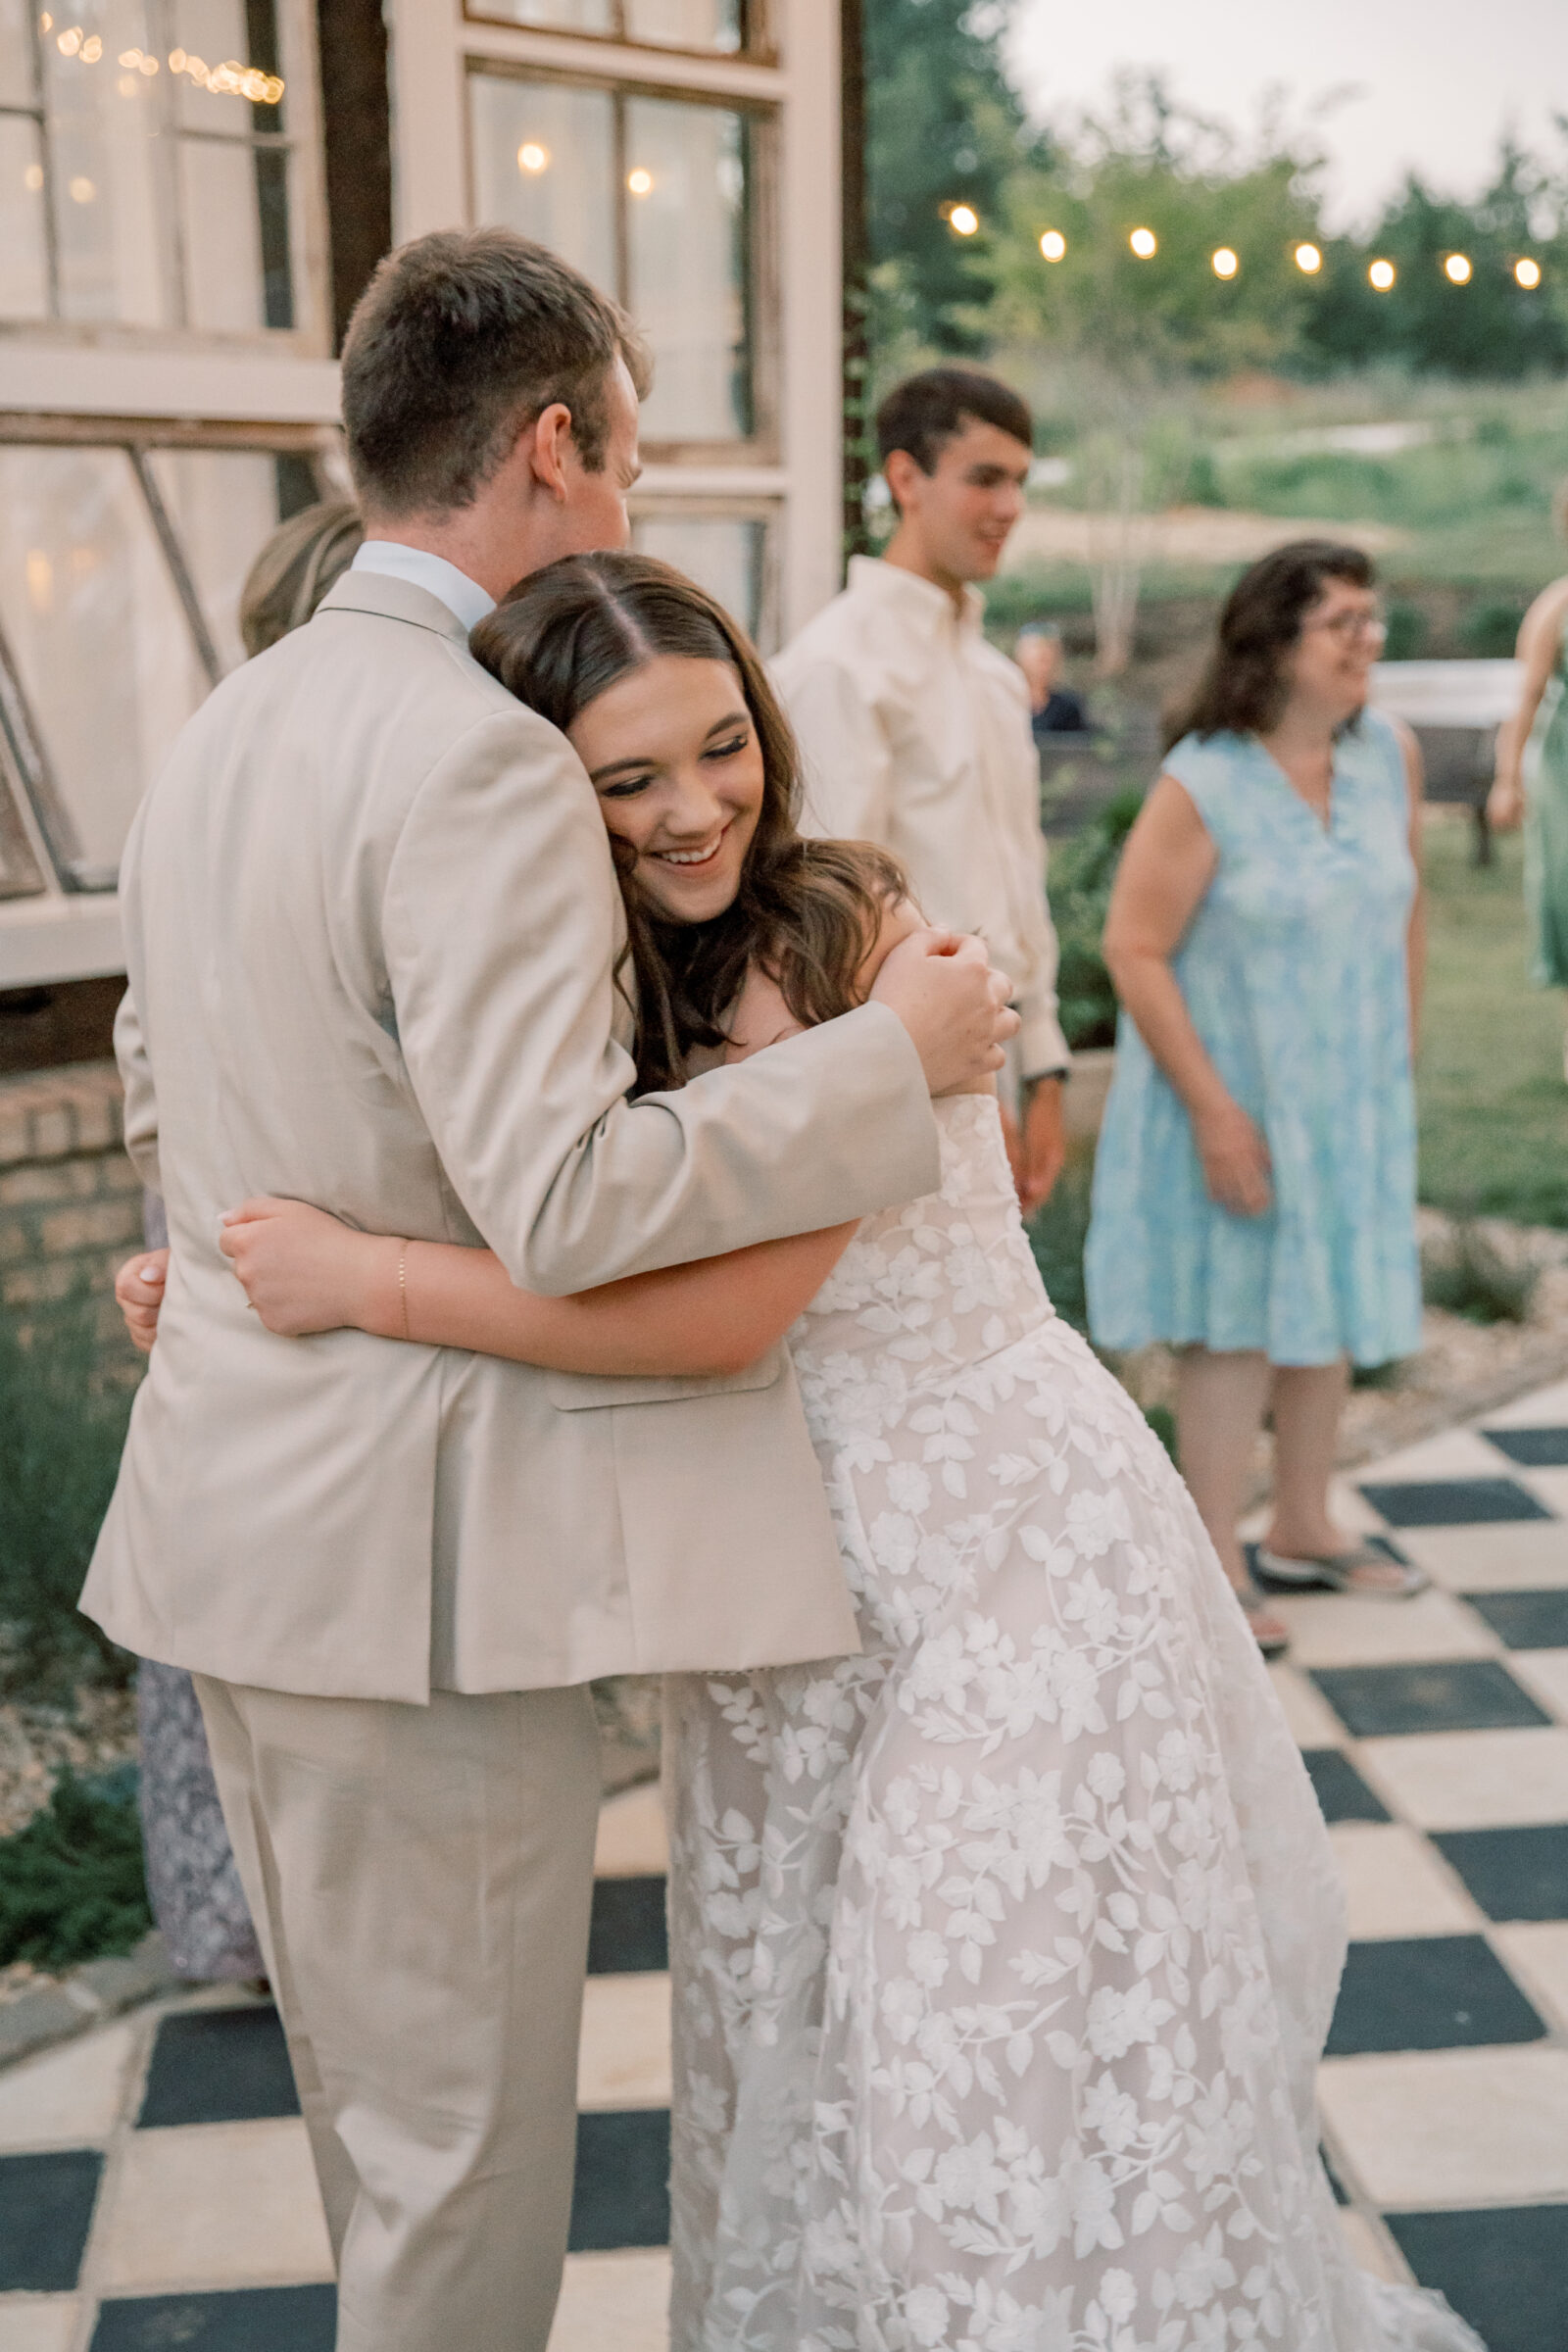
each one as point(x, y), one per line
point(1003, 1954)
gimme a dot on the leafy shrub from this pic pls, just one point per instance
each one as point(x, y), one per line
point(1489, 631)
point(1058, 1232)
point(1469, 1276)
point(1407, 633)
point(1082, 871)
point(71, 1882)
point(61, 1427)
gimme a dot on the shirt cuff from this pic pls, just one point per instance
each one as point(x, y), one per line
point(1043, 1051)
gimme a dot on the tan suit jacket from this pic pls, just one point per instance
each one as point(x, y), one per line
point(370, 925)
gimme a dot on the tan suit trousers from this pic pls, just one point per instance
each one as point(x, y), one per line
point(420, 1879)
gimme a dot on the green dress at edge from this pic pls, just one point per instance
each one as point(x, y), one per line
point(1545, 781)
point(1293, 972)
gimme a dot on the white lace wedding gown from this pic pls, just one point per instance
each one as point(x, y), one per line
point(1005, 1953)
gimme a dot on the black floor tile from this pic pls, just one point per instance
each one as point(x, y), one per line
point(1428, 1992)
point(45, 2213)
point(622, 2193)
point(1513, 1874)
point(1333, 2180)
point(629, 1932)
point(1340, 1790)
point(1532, 1448)
point(254, 2319)
point(1445, 1695)
point(219, 2066)
point(1455, 1502)
point(1525, 1620)
point(1504, 2271)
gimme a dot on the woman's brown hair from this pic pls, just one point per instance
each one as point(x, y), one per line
point(806, 912)
point(1244, 688)
point(297, 565)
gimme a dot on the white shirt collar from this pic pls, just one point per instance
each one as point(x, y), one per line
point(461, 597)
point(921, 600)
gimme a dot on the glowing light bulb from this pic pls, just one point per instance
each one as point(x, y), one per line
point(1143, 243)
point(640, 182)
point(32, 178)
point(1053, 244)
point(531, 157)
point(82, 190)
point(1380, 275)
point(963, 220)
point(1457, 268)
point(1224, 263)
point(1527, 273)
point(69, 42)
point(1308, 258)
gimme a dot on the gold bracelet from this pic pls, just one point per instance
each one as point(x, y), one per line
point(403, 1287)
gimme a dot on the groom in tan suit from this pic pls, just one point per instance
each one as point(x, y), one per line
point(370, 927)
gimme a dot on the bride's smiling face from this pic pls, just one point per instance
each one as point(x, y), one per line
point(672, 752)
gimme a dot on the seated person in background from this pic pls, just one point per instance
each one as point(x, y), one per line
point(1054, 710)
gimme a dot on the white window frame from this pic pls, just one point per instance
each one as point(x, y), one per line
point(797, 477)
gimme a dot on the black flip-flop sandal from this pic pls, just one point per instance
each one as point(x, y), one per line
point(1334, 1572)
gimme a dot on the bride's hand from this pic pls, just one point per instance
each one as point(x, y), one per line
point(303, 1270)
point(139, 1290)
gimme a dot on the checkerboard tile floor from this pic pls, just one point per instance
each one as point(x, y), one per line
point(155, 2187)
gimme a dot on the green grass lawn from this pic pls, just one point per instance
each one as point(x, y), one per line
point(1492, 1101)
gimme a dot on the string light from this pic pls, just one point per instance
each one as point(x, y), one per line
point(69, 41)
point(134, 61)
point(1053, 244)
point(1224, 263)
point(1457, 268)
point(1381, 276)
point(1309, 259)
point(640, 182)
point(228, 81)
point(82, 190)
point(963, 220)
point(531, 157)
point(1143, 243)
point(1527, 273)
point(32, 178)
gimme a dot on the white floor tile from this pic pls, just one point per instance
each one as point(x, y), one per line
point(212, 2205)
point(1544, 1674)
point(1451, 1454)
point(624, 2059)
point(69, 2097)
point(1397, 1885)
point(1537, 1952)
point(37, 2322)
point(1520, 1554)
point(1472, 1780)
point(1452, 2127)
point(1344, 1629)
point(1542, 1408)
point(613, 2303)
point(1549, 1487)
point(1312, 1721)
point(1372, 2249)
point(633, 1844)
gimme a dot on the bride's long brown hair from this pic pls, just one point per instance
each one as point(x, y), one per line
point(806, 912)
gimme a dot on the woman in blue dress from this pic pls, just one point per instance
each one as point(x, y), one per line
point(1255, 1190)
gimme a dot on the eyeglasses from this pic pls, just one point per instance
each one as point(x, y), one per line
point(1349, 626)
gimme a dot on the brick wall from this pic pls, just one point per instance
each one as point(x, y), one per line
point(70, 1199)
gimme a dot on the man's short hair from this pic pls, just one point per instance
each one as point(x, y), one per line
point(459, 341)
point(932, 408)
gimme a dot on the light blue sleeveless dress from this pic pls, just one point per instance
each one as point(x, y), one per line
point(1294, 971)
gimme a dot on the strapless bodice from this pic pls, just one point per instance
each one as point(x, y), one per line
point(925, 1291)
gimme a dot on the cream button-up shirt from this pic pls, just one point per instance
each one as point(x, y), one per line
point(915, 735)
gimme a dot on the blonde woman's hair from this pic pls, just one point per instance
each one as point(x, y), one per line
point(296, 568)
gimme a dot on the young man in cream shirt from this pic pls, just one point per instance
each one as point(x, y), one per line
point(915, 731)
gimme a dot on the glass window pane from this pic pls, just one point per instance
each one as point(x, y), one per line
point(24, 261)
point(223, 504)
point(104, 125)
point(222, 239)
point(96, 632)
point(568, 16)
point(17, 85)
point(685, 23)
point(544, 164)
point(19, 877)
point(216, 42)
point(722, 552)
point(686, 252)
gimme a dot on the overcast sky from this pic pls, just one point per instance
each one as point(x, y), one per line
point(1436, 80)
